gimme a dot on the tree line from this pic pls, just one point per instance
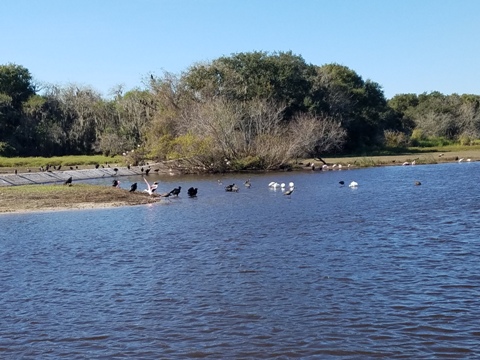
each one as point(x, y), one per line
point(248, 110)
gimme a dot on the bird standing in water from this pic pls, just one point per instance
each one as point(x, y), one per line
point(288, 192)
point(176, 191)
point(192, 192)
point(150, 188)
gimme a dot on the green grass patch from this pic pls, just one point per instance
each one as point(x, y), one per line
point(72, 160)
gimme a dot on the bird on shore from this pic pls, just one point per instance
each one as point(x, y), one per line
point(68, 181)
point(150, 188)
point(147, 171)
point(176, 191)
point(133, 187)
point(116, 183)
point(192, 192)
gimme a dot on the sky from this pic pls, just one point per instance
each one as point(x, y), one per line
point(406, 46)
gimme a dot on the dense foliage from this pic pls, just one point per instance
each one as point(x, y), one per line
point(247, 110)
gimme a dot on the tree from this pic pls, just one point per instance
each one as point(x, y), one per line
point(16, 82)
point(360, 106)
point(281, 77)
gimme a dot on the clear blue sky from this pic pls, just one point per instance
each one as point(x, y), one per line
point(407, 46)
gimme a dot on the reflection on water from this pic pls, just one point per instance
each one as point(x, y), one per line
point(386, 270)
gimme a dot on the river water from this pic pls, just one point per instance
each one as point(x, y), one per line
point(386, 270)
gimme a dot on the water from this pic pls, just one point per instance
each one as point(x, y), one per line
point(387, 270)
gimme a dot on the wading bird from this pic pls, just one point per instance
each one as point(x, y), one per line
point(150, 188)
point(231, 188)
point(192, 192)
point(288, 192)
point(176, 191)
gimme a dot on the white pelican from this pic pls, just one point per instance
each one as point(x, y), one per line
point(406, 163)
point(291, 184)
point(150, 188)
point(273, 184)
point(353, 184)
point(282, 185)
point(460, 160)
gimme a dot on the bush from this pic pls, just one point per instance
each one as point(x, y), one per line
point(395, 139)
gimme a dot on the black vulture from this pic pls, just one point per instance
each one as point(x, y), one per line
point(192, 192)
point(133, 187)
point(176, 191)
point(97, 166)
point(68, 181)
point(147, 171)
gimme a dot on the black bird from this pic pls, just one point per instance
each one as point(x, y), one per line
point(97, 166)
point(71, 167)
point(16, 171)
point(115, 183)
point(147, 171)
point(115, 169)
point(341, 182)
point(133, 187)
point(231, 188)
point(68, 181)
point(192, 192)
point(128, 166)
point(59, 166)
point(176, 191)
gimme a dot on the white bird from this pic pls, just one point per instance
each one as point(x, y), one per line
point(282, 185)
point(353, 184)
point(413, 162)
point(325, 167)
point(291, 184)
point(273, 184)
point(460, 160)
point(469, 160)
point(150, 188)
point(406, 163)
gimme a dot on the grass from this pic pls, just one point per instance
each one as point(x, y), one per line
point(66, 161)
point(78, 196)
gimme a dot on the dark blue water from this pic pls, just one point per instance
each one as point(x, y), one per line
point(386, 270)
